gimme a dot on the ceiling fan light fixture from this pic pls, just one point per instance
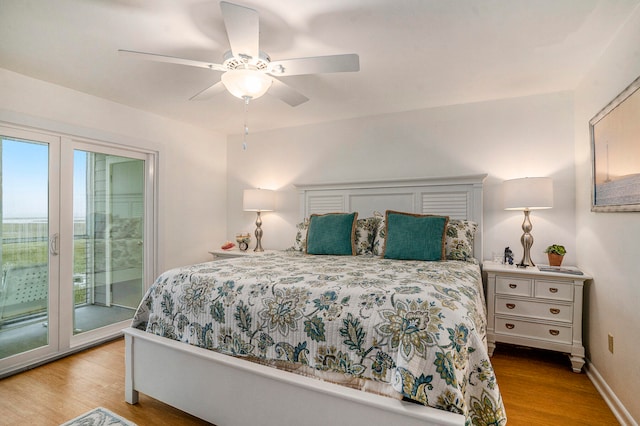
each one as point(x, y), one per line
point(246, 83)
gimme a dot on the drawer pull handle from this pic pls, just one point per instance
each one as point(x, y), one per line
point(511, 305)
point(553, 290)
point(513, 285)
point(554, 311)
point(510, 326)
point(554, 332)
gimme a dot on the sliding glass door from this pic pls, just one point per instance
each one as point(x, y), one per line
point(108, 238)
point(76, 243)
point(28, 300)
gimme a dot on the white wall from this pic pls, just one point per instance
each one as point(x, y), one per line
point(531, 136)
point(192, 161)
point(609, 242)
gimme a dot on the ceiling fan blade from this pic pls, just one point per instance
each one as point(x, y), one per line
point(286, 93)
point(243, 27)
point(316, 65)
point(172, 60)
point(209, 92)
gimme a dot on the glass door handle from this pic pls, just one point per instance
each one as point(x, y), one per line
point(53, 244)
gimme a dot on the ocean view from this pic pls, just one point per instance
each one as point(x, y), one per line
point(25, 228)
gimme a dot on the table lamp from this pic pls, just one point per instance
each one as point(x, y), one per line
point(531, 193)
point(258, 200)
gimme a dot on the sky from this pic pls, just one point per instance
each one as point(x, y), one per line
point(25, 180)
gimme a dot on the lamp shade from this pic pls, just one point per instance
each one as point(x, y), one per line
point(246, 83)
point(531, 193)
point(258, 200)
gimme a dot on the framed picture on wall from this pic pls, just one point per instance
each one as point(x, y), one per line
point(615, 153)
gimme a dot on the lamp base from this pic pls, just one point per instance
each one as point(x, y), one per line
point(258, 234)
point(527, 242)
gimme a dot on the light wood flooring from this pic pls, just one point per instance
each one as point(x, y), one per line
point(538, 388)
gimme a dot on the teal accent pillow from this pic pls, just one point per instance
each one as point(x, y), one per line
point(414, 237)
point(332, 233)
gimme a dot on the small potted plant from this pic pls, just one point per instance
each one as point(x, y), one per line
point(556, 253)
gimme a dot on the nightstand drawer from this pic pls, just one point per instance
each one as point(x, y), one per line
point(513, 286)
point(553, 290)
point(531, 309)
point(519, 328)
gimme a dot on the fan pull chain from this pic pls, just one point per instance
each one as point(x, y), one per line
point(246, 127)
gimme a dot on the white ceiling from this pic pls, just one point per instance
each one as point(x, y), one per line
point(413, 53)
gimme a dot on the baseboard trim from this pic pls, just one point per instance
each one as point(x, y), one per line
point(616, 406)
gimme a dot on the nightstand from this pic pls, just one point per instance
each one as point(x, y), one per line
point(235, 252)
point(529, 307)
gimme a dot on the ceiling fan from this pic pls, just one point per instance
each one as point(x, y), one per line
point(249, 73)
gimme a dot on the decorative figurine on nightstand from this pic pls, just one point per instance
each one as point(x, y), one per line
point(243, 241)
point(508, 256)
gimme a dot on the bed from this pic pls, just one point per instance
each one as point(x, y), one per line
point(327, 338)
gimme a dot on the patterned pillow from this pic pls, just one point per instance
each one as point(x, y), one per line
point(332, 234)
point(379, 239)
point(415, 236)
point(300, 244)
point(458, 243)
point(458, 240)
point(365, 234)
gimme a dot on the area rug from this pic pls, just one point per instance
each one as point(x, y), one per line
point(99, 417)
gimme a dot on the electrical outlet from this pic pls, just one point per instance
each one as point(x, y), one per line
point(610, 343)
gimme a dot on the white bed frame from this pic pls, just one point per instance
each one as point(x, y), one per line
point(225, 390)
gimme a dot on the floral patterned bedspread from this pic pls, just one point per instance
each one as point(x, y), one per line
point(418, 326)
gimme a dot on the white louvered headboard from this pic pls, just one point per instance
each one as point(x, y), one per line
point(459, 197)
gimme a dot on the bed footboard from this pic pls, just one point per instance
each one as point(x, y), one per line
point(229, 391)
